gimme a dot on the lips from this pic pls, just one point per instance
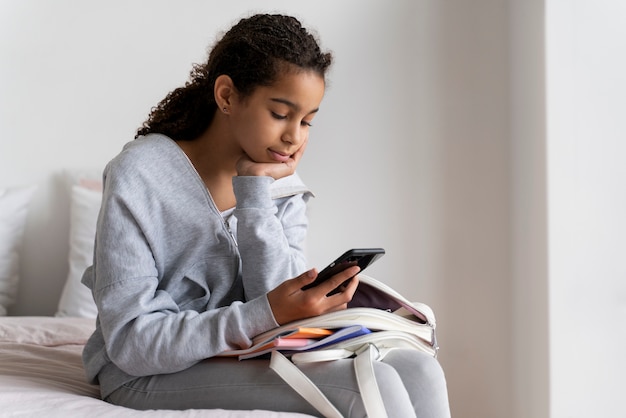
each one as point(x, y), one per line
point(278, 156)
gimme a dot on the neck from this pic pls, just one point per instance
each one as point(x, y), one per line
point(213, 153)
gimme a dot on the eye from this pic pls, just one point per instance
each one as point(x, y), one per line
point(305, 123)
point(278, 116)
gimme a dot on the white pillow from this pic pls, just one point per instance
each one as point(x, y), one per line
point(76, 299)
point(14, 204)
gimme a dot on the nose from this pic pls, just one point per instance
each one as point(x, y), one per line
point(294, 134)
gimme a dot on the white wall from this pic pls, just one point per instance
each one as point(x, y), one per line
point(586, 41)
point(470, 236)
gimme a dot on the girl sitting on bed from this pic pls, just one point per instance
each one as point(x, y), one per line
point(199, 243)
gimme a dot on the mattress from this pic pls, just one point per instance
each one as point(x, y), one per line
point(41, 374)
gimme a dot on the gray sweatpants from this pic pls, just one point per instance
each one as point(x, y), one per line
point(412, 384)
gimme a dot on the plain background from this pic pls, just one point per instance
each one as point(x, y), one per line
point(481, 143)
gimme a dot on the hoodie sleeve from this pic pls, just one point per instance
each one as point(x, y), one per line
point(270, 233)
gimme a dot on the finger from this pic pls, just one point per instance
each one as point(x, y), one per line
point(278, 171)
point(351, 287)
point(243, 164)
point(300, 152)
point(305, 278)
point(338, 279)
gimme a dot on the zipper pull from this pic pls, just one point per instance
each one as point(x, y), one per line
point(230, 232)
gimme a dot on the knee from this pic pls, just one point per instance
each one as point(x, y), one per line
point(387, 374)
point(428, 366)
point(419, 364)
point(395, 396)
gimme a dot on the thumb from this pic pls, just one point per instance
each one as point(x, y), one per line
point(307, 277)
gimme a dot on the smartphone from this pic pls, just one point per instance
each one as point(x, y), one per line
point(362, 257)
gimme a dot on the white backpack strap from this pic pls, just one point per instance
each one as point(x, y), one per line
point(321, 355)
point(363, 367)
point(294, 377)
point(370, 393)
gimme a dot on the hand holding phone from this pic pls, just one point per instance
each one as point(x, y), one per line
point(362, 257)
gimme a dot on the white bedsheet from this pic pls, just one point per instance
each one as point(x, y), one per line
point(41, 374)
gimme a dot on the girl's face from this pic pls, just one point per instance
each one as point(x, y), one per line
point(273, 123)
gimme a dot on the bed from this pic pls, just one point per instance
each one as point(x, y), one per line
point(41, 372)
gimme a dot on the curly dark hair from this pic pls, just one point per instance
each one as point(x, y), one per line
point(252, 53)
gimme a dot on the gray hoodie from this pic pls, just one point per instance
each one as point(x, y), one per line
point(174, 281)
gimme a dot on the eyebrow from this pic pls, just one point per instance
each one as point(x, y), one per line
point(291, 104)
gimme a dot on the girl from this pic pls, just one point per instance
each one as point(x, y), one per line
point(201, 234)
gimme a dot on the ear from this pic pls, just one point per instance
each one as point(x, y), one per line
point(224, 92)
